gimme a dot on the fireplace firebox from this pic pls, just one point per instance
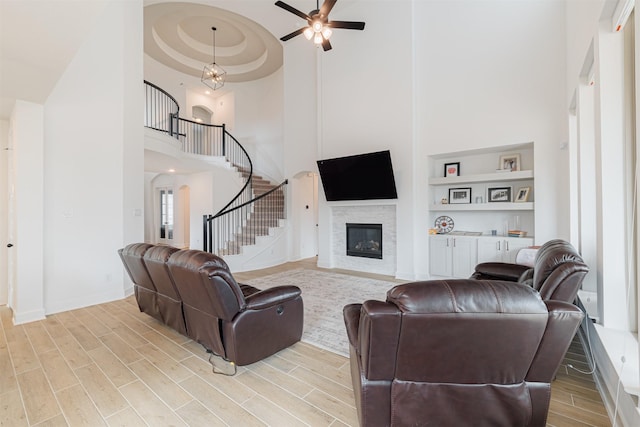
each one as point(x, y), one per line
point(364, 240)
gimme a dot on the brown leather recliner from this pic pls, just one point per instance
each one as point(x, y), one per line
point(457, 353)
point(557, 273)
point(168, 299)
point(239, 323)
point(143, 287)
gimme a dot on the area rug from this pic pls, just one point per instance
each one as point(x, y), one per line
point(324, 295)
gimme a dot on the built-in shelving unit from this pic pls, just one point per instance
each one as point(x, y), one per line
point(479, 171)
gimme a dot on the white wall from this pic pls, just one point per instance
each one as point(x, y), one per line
point(450, 76)
point(94, 163)
point(489, 76)
point(258, 121)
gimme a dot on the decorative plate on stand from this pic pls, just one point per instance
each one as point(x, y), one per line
point(444, 224)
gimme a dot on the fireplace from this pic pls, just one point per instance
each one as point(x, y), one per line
point(364, 240)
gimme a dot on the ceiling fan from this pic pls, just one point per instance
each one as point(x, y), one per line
point(319, 27)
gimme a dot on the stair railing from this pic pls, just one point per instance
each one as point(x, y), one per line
point(162, 114)
point(161, 110)
point(234, 226)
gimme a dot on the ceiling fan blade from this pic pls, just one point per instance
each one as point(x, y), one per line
point(326, 7)
point(349, 25)
point(293, 34)
point(326, 45)
point(293, 10)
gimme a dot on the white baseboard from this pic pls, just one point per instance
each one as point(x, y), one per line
point(28, 316)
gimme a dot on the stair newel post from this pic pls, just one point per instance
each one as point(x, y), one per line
point(224, 140)
point(204, 232)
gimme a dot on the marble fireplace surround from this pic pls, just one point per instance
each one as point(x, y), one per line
point(365, 214)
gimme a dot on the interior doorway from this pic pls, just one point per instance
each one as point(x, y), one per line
point(183, 217)
point(305, 214)
point(166, 215)
point(7, 220)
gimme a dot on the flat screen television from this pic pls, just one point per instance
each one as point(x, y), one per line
point(361, 177)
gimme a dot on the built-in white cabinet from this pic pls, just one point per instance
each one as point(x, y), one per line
point(500, 249)
point(452, 256)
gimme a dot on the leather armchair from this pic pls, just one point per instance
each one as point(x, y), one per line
point(239, 323)
point(143, 287)
point(557, 273)
point(457, 352)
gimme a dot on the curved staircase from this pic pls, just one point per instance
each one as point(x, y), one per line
point(246, 230)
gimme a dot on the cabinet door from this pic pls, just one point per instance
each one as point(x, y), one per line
point(489, 249)
point(464, 256)
point(511, 247)
point(439, 256)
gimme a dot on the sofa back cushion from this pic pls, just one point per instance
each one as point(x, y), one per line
point(132, 258)
point(559, 271)
point(205, 283)
point(155, 259)
point(467, 331)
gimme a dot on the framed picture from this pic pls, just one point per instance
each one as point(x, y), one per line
point(452, 169)
point(499, 194)
point(510, 162)
point(523, 194)
point(459, 195)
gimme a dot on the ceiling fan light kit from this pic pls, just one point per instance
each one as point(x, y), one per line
point(213, 75)
point(319, 28)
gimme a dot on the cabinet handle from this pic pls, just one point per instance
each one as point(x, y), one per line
point(447, 242)
point(454, 243)
point(506, 246)
point(498, 244)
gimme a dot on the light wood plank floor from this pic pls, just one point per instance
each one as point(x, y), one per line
point(112, 365)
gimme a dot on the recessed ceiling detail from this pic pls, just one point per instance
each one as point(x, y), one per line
point(178, 35)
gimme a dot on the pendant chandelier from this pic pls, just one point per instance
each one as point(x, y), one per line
point(213, 75)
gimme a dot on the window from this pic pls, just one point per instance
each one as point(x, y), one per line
point(166, 214)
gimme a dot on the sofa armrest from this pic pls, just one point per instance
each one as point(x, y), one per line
point(351, 315)
point(564, 321)
point(499, 271)
point(272, 296)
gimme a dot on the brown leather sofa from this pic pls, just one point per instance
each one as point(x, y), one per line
point(557, 273)
point(239, 323)
point(457, 353)
point(194, 293)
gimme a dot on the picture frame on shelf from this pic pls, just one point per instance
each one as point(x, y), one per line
point(510, 162)
point(522, 195)
point(459, 195)
point(451, 169)
point(498, 194)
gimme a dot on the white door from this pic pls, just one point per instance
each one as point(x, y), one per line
point(7, 284)
point(304, 200)
point(464, 257)
point(489, 249)
point(439, 256)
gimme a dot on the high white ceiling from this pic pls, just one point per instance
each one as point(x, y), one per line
point(38, 38)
